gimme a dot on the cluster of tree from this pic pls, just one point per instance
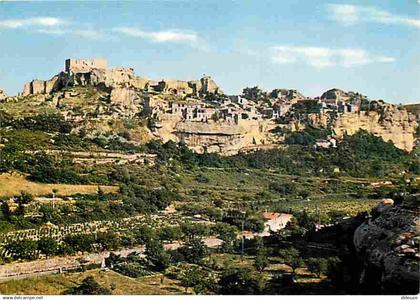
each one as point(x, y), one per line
point(361, 149)
point(306, 137)
point(89, 286)
point(306, 107)
point(27, 249)
point(53, 122)
point(30, 249)
point(247, 220)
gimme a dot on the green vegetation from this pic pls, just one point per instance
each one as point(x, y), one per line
point(88, 287)
point(186, 199)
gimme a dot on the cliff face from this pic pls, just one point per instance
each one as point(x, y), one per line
point(389, 122)
point(223, 138)
point(393, 124)
point(388, 245)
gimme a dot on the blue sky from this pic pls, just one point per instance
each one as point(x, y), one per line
point(370, 46)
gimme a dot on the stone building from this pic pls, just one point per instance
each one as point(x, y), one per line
point(275, 221)
point(37, 86)
point(84, 65)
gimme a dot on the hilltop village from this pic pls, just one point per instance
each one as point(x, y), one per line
point(198, 113)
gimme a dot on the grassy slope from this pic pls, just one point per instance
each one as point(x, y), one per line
point(13, 184)
point(120, 285)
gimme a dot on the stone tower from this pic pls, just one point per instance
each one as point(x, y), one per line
point(84, 65)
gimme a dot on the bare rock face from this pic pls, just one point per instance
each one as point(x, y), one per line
point(125, 96)
point(388, 244)
point(391, 123)
point(224, 138)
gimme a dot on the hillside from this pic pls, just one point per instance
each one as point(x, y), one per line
point(108, 103)
point(125, 185)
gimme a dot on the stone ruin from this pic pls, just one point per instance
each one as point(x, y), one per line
point(84, 65)
point(95, 72)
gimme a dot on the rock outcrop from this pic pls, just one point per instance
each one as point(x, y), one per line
point(3, 95)
point(94, 72)
point(391, 123)
point(340, 95)
point(388, 244)
point(224, 138)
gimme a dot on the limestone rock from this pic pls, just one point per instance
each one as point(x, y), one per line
point(204, 86)
point(388, 246)
point(3, 95)
point(391, 123)
point(124, 96)
point(340, 95)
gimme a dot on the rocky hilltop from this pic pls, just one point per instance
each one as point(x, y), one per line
point(97, 99)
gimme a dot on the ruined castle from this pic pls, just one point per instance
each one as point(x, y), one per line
point(95, 72)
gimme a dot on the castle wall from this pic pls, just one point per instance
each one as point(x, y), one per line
point(84, 65)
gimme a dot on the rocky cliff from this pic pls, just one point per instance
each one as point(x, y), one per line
point(388, 245)
point(392, 124)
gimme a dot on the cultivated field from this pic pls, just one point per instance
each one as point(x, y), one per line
point(13, 184)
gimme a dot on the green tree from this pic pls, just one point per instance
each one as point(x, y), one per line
point(156, 255)
point(253, 93)
point(101, 194)
point(227, 233)
point(47, 212)
point(318, 266)
point(261, 259)
point(194, 250)
point(89, 286)
point(170, 233)
point(79, 242)
point(24, 198)
point(291, 257)
point(240, 281)
point(109, 241)
point(48, 246)
point(22, 249)
point(191, 277)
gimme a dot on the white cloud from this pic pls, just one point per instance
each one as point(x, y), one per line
point(159, 36)
point(41, 21)
point(347, 14)
point(52, 31)
point(321, 57)
point(84, 33)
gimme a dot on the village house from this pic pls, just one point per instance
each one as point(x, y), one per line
point(325, 143)
point(275, 221)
